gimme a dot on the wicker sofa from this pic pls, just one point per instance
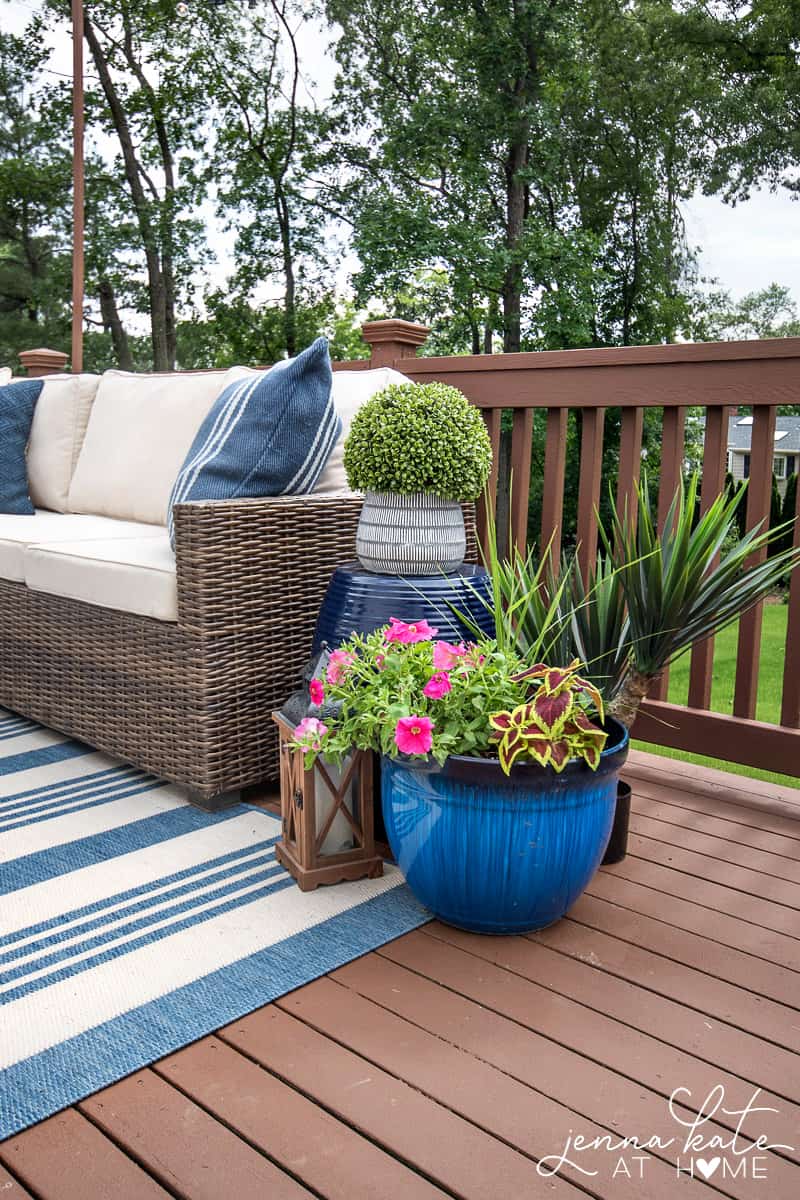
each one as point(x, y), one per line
point(173, 664)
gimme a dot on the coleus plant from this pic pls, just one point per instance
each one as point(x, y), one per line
point(552, 726)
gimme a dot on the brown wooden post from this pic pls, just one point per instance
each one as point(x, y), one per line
point(759, 489)
point(555, 459)
point(42, 362)
point(394, 339)
point(78, 117)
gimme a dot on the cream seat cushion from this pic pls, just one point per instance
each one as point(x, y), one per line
point(139, 433)
point(6, 375)
point(350, 390)
point(17, 533)
point(135, 575)
point(59, 424)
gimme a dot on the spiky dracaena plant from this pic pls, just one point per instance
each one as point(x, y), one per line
point(676, 588)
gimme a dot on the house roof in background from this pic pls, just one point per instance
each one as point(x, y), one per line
point(787, 433)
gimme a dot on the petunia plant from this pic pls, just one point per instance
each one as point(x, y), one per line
point(403, 691)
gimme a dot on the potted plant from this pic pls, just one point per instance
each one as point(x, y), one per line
point(498, 779)
point(649, 597)
point(416, 451)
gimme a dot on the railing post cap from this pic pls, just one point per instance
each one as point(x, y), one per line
point(407, 333)
point(43, 361)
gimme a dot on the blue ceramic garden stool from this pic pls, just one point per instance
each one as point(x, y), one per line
point(359, 601)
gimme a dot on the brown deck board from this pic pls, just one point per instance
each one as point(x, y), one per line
point(716, 845)
point(468, 964)
point(66, 1158)
point(450, 1150)
point(325, 1153)
point(598, 1094)
point(182, 1146)
point(448, 1065)
point(684, 985)
point(671, 942)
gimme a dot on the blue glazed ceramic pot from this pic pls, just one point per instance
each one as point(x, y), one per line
point(499, 854)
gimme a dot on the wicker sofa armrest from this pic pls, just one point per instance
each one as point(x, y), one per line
point(250, 564)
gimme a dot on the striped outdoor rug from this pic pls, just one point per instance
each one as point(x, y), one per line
point(132, 923)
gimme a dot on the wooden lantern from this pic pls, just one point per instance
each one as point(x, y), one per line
point(327, 816)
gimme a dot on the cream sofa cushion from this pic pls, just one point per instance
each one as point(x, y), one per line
point(59, 424)
point(6, 375)
point(350, 390)
point(135, 575)
point(17, 533)
point(139, 433)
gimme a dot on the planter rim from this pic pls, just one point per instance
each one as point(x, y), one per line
point(530, 774)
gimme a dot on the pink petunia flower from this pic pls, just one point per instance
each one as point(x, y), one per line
point(317, 691)
point(446, 655)
point(380, 660)
point(310, 732)
point(437, 686)
point(414, 735)
point(408, 633)
point(338, 663)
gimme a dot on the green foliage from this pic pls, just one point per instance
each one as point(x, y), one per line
point(675, 593)
point(379, 682)
point(419, 438)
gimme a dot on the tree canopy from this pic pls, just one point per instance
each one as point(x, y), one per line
point(512, 172)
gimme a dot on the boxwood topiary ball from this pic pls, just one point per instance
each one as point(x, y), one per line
point(419, 437)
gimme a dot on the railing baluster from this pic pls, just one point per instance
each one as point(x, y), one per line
point(555, 459)
point(589, 485)
point(493, 418)
point(630, 461)
point(521, 447)
point(672, 446)
point(759, 491)
point(715, 461)
point(790, 707)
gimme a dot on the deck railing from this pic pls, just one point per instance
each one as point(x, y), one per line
point(717, 377)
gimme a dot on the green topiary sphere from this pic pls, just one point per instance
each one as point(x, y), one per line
point(419, 437)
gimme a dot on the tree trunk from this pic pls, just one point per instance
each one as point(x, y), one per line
point(289, 302)
point(516, 206)
point(628, 699)
point(157, 292)
point(113, 325)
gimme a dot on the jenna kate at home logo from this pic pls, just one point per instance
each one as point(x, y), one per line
point(709, 1141)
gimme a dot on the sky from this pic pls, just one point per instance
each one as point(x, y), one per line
point(744, 248)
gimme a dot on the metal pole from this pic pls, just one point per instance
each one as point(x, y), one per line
point(77, 186)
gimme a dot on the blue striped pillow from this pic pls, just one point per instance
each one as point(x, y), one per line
point(270, 434)
point(17, 402)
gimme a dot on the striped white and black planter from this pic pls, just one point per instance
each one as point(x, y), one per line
point(418, 534)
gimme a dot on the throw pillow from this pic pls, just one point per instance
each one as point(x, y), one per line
point(17, 403)
point(269, 434)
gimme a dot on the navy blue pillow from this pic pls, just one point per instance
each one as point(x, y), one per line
point(17, 402)
point(270, 434)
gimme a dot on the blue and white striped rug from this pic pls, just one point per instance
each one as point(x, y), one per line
point(132, 923)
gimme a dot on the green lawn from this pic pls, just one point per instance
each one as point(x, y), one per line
point(773, 642)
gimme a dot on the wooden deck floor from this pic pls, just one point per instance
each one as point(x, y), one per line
point(447, 1064)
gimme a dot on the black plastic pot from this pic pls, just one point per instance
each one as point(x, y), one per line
point(618, 842)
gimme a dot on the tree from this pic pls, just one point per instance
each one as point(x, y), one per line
point(768, 313)
point(749, 52)
point(271, 162)
point(150, 100)
point(34, 197)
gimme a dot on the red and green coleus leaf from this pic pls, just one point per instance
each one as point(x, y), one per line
point(560, 754)
point(591, 691)
point(537, 671)
point(509, 749)
point(551, 711)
